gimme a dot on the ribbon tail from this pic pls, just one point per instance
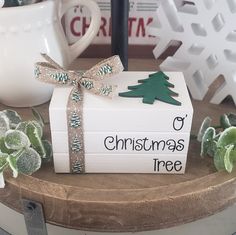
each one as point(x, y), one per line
point(75, 130)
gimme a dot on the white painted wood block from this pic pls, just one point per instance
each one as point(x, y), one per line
point(126, 143)
point(126, 114)
point(125, 163)
point(124, 135)
point(61, 162)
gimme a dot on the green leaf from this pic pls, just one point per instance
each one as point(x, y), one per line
point(12, 163)
point(15, 150)
point(3, 147)
point(227, 161)
point(4, 124)
point(15, 139)
point(38, 117)
point(217, 136)
point(219, 158)
point(13, 117)
point(232, 119)
point(233, 155)
point(3, 162)
point(227, 137)
point(212, 148)
point(38, 127)
point(3, 165)
point(3, 155)
point(224, 121)
point(22, 127)
point(34, 135)
point(208, 144)
point(48, 148)
point(205, 124)
point(28, 162)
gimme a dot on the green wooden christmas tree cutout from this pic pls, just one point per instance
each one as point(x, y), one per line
point(156, 87)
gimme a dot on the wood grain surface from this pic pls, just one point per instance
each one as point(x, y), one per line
point(128, 202)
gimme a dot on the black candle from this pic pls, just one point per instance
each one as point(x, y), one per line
point(119, 38)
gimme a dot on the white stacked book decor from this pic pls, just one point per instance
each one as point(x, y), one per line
point(144, 129)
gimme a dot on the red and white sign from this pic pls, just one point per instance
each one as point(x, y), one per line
point(141, 14)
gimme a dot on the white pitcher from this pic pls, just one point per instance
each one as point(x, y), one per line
point(29, 30)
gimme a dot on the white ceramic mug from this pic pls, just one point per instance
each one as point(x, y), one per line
point(29, 30)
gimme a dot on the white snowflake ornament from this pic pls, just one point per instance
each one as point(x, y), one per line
point(207, 31)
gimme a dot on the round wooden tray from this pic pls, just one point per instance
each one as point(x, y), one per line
point(128, 202)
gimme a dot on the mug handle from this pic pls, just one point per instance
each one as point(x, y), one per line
point(78, 47)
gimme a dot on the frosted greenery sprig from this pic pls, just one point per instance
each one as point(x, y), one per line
point(22, 147)
point(219, 141)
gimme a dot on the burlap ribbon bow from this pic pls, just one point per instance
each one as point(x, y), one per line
point(53, 73)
